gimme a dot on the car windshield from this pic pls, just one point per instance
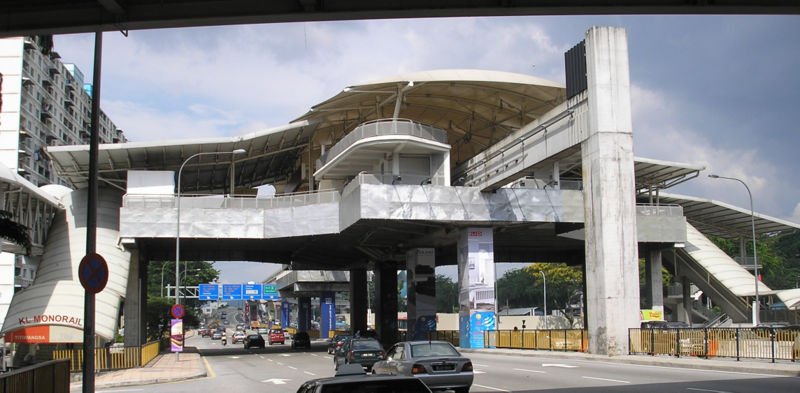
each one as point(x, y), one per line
point(426, 350)
point(366, 344)
point(387, 386)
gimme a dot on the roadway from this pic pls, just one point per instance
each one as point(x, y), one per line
point(279, 369)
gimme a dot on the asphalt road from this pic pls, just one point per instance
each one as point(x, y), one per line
point(280, 369)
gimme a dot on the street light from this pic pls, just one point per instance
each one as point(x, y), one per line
point(545, 298)
point(162, 278)
point(757, 305)
point(178, 229)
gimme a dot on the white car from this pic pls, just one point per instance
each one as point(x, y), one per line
point(238, 337)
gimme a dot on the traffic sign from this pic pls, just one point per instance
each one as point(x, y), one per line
point(232, 291)
point(93, 273)
point(208, 292)
point(252, 291)
point(177, 311)
point(270, 288)
point(272, 296)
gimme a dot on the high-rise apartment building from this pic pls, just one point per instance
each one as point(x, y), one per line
point(44, 103)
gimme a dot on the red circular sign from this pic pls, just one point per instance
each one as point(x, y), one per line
point(177, 311)
point(93, 273)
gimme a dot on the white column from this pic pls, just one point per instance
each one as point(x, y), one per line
point(421, 267)
point(476, 280)
point(609, 195)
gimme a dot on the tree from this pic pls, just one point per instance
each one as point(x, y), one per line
point(446, 294)
point(14, 231)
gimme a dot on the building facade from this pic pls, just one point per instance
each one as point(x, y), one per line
point(45, 103)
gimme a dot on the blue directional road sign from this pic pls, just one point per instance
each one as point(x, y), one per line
point(252, 292)
point(208, 292)
point(232, 291)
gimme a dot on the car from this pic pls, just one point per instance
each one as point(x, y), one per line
point(437, 363)
point(351, 378)
point(238, 337)
point(262, 331)
point(276, 336)
point(254, 341)
point(216, 336)
point(362, 351)
point(301, 340)
point(336, 342)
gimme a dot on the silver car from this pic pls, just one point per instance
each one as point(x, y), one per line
point(437, 363)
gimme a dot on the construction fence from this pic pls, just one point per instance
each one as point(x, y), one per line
point(111, 358)
point(565, 340)
point(740, 343)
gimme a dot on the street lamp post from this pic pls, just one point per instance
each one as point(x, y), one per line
point(544, 278)
point(178, 228)
point(162, 278)
point(757, 304)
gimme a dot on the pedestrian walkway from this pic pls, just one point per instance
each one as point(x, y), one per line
point(164, 368)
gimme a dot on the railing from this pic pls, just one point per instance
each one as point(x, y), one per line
point(45, 377)
point(208, 201)
point(110, 358)
point(451, 336)
point(659, 210)
point(748, 343)
point(384, 127)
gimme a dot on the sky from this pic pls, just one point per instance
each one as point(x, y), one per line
point(717, 91)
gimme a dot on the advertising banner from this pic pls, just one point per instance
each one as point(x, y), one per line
point(176, 335)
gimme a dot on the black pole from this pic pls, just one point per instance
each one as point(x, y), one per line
point(91, 218)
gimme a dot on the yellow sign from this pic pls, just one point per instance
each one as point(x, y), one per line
point(652, 315)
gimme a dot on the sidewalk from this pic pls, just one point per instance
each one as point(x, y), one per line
point(785, 368)
point(164, 368)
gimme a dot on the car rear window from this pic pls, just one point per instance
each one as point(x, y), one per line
point(424, 350)
point(388, 386)
point(366, 344)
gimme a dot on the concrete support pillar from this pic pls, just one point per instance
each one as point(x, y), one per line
point(421, 268)
point(327, 305)
point(358, 300)
point(476, 296)
point(612, 264)
point(654, 280)
point(686, 288)
point(135, 298)
point(304, 313)
point(386, 306)
point(286, 312)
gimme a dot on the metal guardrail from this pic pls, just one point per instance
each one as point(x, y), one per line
point(110, 358)
point(740, 343)
point(384, 127)
point(564, 340)
point(46, 377)
point(208, 201)
point(659, 210)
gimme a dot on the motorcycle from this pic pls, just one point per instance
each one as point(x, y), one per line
point(224, 340)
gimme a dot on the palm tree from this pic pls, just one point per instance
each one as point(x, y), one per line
point(14, 231)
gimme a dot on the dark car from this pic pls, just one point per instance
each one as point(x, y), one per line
point(254, 341)
point(437, 363)
point(361, 351)
point(336, 342)
point(351, 379)
point(301, 340)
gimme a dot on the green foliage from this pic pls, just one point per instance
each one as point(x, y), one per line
point(14, 231)
point(524, 287)
point(158, 307)
point(446, 294)
point(779, 258)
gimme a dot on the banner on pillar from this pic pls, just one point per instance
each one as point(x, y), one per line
point(480, 269)
point(176, 335)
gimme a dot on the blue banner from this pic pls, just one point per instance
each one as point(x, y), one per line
point(232, 291)
point(208, 292)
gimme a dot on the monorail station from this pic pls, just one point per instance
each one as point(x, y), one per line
point(410, 172)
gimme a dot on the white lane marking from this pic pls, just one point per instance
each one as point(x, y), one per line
point(529, 371)
point(286, 355)
point(607, 380)
point(479, 365)
point(558, 365)
point(491, 388)
point(707, 390)
point(478, 372)
point(124, 390)
point(261, 356)
point(233, 357)
point(280, 364)
point(270, 360)
point(309, 373)
point(276, 381)
point(314, 354)
point(293, 368)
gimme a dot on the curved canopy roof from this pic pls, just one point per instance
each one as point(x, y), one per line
point(475, 107)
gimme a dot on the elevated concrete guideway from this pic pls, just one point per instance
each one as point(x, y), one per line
point(558, 182)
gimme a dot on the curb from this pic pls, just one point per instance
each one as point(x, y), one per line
point(791, 370)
